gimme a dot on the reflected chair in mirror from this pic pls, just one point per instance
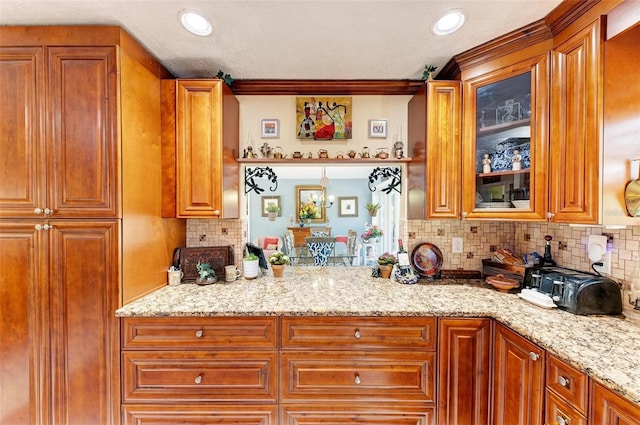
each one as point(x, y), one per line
point(320, 248)
point(269, 244)
point(353, 245)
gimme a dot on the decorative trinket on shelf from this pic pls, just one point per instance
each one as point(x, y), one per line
point(486, 164)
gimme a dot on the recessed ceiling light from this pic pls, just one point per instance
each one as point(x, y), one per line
point(449, 22)
point(195, 22)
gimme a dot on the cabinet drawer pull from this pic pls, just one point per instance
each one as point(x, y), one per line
point(198, 379)
point(563, 382)
point(199, 333)
point(533, 356)
point(357, 380)
point(561, 420)
point(357, 334)
point(43, 226)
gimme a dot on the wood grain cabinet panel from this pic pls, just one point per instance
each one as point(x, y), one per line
point(518, 379)
point(206, 414)
point(186, 333)
point(558, 412)
point(576, 113)
point(608, 408)
point(336, 413)
point(567, 382)
point(357, 333)
point(463, 370)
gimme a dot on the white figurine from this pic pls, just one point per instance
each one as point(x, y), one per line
point(486, 164)
point(516, 159)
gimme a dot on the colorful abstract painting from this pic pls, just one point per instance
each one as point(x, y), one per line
point(323, 118)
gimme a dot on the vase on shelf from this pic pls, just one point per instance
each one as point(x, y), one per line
point(304, 221)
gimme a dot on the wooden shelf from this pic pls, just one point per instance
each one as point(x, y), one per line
point(504, 173)
point(485, 131)
point(376, 161)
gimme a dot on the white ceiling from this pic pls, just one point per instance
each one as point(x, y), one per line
point(292, 39)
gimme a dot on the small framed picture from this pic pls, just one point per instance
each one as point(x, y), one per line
point(348, 206)
point(378, 129)
point(270, 129)
point(269, 203)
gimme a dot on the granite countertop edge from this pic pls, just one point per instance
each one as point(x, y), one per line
point(604, 347)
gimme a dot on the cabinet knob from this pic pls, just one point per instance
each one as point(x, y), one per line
point(216, 212)
point(199, 333)
point(357, 334)
point(198, 379)
point(43, 226)
point(45, 211)
point(561, 420)
point(534, 356)
point(464, 214)
point(563, 382)
point(550, 215)
point(357, 380)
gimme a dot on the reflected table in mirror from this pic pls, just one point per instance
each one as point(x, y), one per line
point(339, 256)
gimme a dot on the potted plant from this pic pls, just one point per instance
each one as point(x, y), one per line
point(371, 233)
point(372, 208)
point(251, 266)
point(206, 275)
point(385, 263)
point(272, 211)
point(278, 260)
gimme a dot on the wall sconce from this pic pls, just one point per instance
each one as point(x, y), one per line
point(320, 202)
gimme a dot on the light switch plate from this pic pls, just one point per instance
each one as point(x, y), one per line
point(457, 245)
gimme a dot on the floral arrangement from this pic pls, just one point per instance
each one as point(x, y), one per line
point(279, 258)
point(308, 211)
point(205, 270)
point(387, 259)
point(371, 232)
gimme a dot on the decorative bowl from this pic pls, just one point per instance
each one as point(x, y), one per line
point(502, 283)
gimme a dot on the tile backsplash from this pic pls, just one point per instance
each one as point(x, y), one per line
point(568, 247)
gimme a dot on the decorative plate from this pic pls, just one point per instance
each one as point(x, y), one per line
point(426, 259)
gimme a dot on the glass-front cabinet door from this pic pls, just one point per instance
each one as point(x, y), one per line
point(505, 143)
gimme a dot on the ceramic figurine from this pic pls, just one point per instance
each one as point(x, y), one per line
point(486, 164)
point(516, 160)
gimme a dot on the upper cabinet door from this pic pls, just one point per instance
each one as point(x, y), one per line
point(576, 133)
point(82, 132)
point(22, 172)
point(505, 150)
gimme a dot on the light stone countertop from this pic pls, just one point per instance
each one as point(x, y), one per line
point(605, 348)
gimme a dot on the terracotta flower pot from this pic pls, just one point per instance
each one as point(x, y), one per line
point(385, 271)
point(278, 270)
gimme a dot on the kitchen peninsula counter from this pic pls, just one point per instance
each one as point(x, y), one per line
point(605, 348)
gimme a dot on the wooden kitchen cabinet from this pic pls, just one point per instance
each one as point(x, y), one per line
point(435, 111)
point(200, 146)
point(464, 353)
point(577, 69)
point(59, 144)
point(505, 110)
point(566, 393)
point(58, 327)
point(608, 408)
point(213, 369)
point(518, 379)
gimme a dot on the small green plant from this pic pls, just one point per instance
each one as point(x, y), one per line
point(428, 69)
point(279, 258)
point(205, 270)
point(225, 77)
point(372, 207)
point(273, 208)
point(251, 257)
point(387, 259)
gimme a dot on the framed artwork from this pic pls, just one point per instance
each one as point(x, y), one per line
point(378, 129)
point(323, 118)
point(304, 195)
point(271, 200)
point(270, 129)
point(348, 206)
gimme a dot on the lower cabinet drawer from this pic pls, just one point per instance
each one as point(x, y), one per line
point(378, 414)
point(199, 376)
point(559, 412)
point(361, 375)
point(567, 382)
point(165, 414)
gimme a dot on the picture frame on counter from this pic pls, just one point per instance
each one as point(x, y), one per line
point(270, 128)
point(378, 129)
point(348, 206)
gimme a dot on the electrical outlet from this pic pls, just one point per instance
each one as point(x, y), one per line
point(457, 245)
point(606, 264)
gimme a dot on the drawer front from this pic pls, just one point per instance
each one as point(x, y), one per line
point(199, 376)
point(358, 333)
point(378, 414)
point(559, 412)
point(199, 333)
point(380, 376)
point(172, 414)
point(568, 382)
